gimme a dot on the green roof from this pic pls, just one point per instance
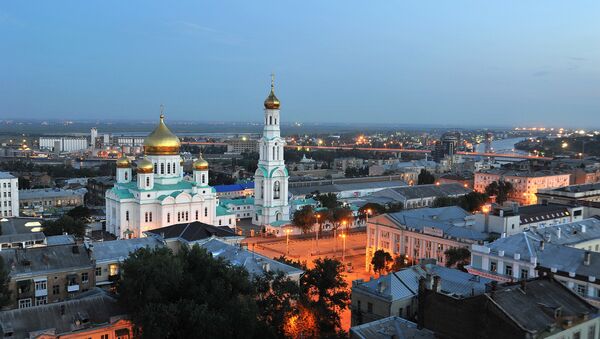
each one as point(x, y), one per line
point(223, 211)
point(309, 201)
point(244, 201)
point(280, 223)
point(123, 193)
point(181, 185)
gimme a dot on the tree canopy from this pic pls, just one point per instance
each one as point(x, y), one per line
point(501, 189)
point(80, 213)
point(4, 280)
point(457, 257)
point(328, 200)
point(380, 261)
point(304, 218)
point(425, 178)
point(473, 201)
point(64, 224)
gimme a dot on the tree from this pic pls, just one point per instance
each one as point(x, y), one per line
point(473, 201)
point(328, 200)
point(4, 280)
point(374, 209)
point(64, 224)
point(425, 178)
point(304, 218)
point(457, 257)
point(276, 301)
point(380, 261)
point(341, 215)
point(24, 183)
point(191, 293)
point(501, 189)
point(80, 213)
point(300, 323)
point(326, 294)
point(400, 262)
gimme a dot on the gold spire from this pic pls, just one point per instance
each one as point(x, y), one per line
point(271, 102)
point(200, 164)
point(161, 141)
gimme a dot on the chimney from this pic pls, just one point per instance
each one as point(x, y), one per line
point(421, 303)
point(380, 287)
point(437, 284)
point(558, 229)
point(542, 242)
point(587, 258)
point(582, 228)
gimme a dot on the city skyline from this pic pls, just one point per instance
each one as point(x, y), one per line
point(416, 64)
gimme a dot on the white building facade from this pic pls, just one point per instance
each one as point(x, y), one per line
point(159, 196)
point(9, 195)
point(271, 177)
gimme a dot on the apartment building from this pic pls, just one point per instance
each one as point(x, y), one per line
point(49, 201)
point(526, 184)
point(48, 274)
point(9, 195)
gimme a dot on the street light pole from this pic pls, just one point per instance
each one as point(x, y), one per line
point(287, 241)
point(318, 229)
point(343, 235)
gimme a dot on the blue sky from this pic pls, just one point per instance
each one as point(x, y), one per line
point(454, 62)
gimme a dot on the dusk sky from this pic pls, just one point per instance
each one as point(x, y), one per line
point(423, 62)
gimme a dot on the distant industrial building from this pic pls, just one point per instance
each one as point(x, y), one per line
point(63, 144)
point(417, 196)
point(49, 201)
point(242, 145)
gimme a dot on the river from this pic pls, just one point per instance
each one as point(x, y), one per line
point(502, 146)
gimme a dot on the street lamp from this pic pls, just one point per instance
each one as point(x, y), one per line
point(368, 211)
point(318, 216)
point(287, 240)
point(343, 236)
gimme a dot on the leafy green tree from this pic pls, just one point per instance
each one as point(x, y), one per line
point(425, 178)
point(80, 213)
point(399, 263)
point(380, 261)
point(374, 208)
point(64, 224)
point(277, 296)
point(473, 201)
point(328, 200)
point(501, 189)
point(326, 294)
point(4, 280)
point(188, 295)
point(457, 257)
point(294, 263)
point(342, 215)
point(304, 218)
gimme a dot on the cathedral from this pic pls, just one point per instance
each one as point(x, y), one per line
point(159, 195)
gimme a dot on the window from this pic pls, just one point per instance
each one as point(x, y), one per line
point(155, 168)
point(206, 211)
point(270, 120)
point(41, 285)
point(24, 303)
point(493, 266)
point(203, 179)
point(55, 289)
point(84, 277)
point(276, 190)
point(147, 181)
point(150, 216)
point(220, 222)
point(196, 214)
point(581, 289)
point(146, 216)
point(126, 175)
point(162, 168)
point(178, 216)
point(41, 300)
point(508, 270)
point(400, 310)
point(168, 168)
point(168, 217)
point(592, 332)
point(369, 307)
point(113, 269)
point(524, 273)
point(126, 215)
point(98, 271)
point(104, 336)
point(577, 335)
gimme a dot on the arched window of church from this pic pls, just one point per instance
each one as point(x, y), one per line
point(273, 153)
point(262, 190)
point(162, 168)
point(155, 168)
point(270, 120)
point(126, 215)
point(219, 222)
point(276, 190)
point(206, 211)
point(168, 168)
point(150, 216)
point(196, 214)
point(178, 216)
point(126, 175)
point(147, 181)
point(203, 179)
point(275, 121)
point(146, 217)
point(168, 217)
point(187, 215)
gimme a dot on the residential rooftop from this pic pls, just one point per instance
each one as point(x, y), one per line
point(234, 187)
point(42, 193)
point(390, 327)
point(405, 283)
point(6, 175)
point(256, 264)
point(91, 309)
point(570, 233)
point(424, 191)
point(119, 250)
point(193, 231)
point(46, 259)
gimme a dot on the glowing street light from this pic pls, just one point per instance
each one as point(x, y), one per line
point(564, 145)
point(318, 216)
point(343, 236)
point(287, 240)
point(367, 212)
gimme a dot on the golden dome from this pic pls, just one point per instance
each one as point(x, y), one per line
point(200, 164)
point(123, 162)
point(271, 102)
point(161, 141)
point(145, 166)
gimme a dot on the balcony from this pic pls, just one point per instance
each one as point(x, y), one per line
point(72, 288)
point(41, 292)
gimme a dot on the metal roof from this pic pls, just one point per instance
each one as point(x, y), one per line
point(119, 250)
point(36, 260)
point(193, 231)
point(390, 327)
